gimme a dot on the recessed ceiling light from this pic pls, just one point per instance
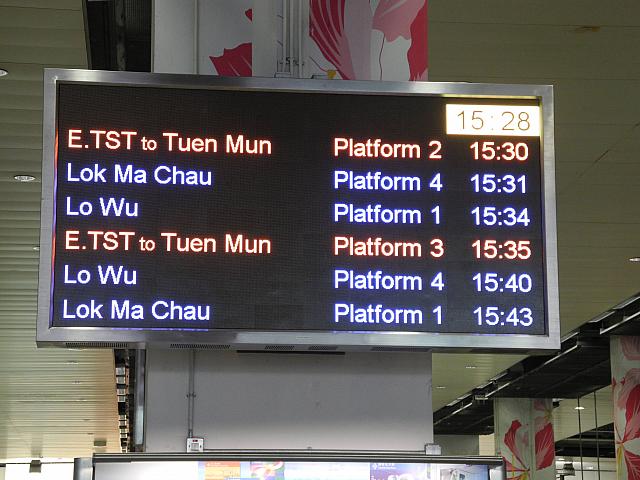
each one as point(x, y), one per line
point(589, 468)
point(578, 408)
point(3, 72)
point(36, 248)
point(440, 387)
point(470, 367)
point(634, 259)
point(561, 459)
point(24, 178)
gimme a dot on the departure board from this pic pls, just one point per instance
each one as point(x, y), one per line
point(296, 208)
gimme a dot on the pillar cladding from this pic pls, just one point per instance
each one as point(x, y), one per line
point(625, 384)
point(524, 437)
point(363, 401)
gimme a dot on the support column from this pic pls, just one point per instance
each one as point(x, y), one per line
point(524, 437)
point(363, 401)
point(625, 384)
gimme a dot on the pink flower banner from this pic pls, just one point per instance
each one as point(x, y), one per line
point(625, 384)
point(524, 437)
point(369, 40)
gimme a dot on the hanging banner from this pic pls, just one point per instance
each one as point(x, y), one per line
point(363, 40)
point(355, 40)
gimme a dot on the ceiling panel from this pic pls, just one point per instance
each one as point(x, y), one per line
point(565, 417)
point(450, 371)
point(583, 48)
point(540, 12)
point(53, 402)
point(531, 51)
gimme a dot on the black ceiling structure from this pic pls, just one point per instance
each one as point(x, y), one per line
point(119, 34)
point(582, 366)
point(599, 443)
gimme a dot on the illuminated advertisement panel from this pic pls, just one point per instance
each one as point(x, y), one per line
point(253, 212)
point(446, 468)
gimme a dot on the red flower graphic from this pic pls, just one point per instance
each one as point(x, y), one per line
point(235, 62)
point(632, 415)
point(343, 33)
point(417, 55)
point(516, 440)
point(631, 347)
point(632, 462)
point(544, 438)
point(630, 380)
point(394, 17)
point(626, 394)
point(545, 447)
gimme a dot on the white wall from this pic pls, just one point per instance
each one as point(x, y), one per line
point(352, 401)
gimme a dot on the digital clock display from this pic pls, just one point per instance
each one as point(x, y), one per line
point(511, 120)
point(263, 209)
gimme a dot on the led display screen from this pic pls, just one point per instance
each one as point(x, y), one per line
point(297, 210)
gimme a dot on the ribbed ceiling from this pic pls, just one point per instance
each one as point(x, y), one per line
point(53, 402)
point(587, 49)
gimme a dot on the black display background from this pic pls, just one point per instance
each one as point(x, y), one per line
point(287, 197)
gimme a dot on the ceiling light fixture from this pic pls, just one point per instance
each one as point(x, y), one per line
point(3, 72)
point(470, 367)
point(36, 248)
point(578, 408)
point(24, 178)
point(440, 387)
point(634, 259)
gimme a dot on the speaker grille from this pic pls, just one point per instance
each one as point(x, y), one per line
point(199, 346)
point(279, 348)
point(96, 345)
